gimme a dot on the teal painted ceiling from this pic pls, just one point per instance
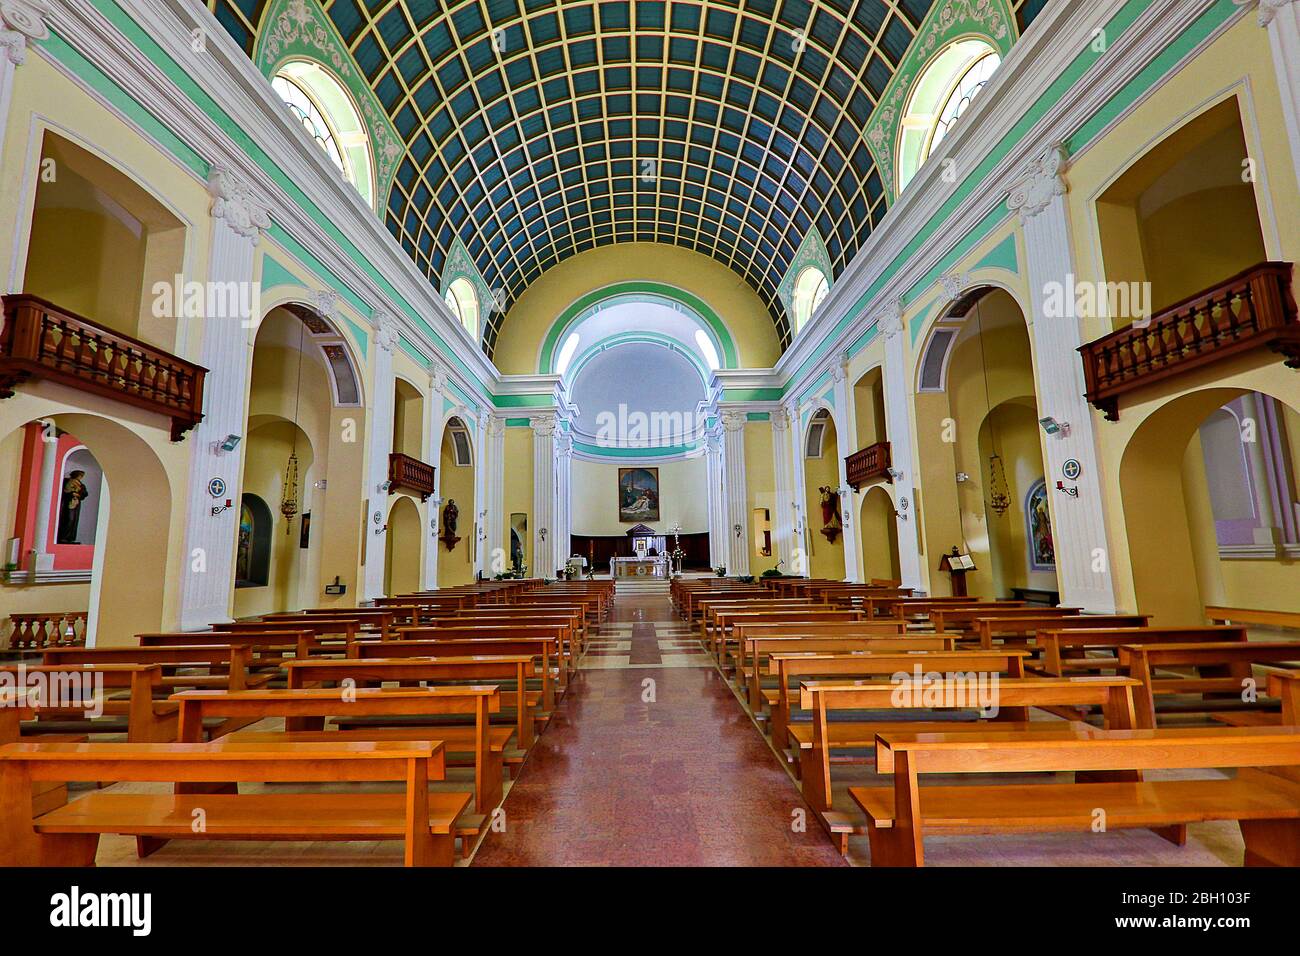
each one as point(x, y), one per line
point(535, 129)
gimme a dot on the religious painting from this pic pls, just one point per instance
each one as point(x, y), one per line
point(518, 535)
point(304, 532)
point(638, 494)
point(1038, 522)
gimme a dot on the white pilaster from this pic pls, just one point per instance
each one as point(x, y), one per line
point(207, 587)
point(563, 497)
point(846, 437)
point(1281, 18)
point(22, 22)
point(800, 562)
point(716, 480)
point(544, 428)
point(498, 551)
point(381, 444)
point(47, 448)
point(433, 455)
point(783, 516)
point(737, 491)
point(482, 494)
point(898, 426)
point(1078, 524)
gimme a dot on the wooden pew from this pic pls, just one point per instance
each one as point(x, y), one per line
point(727, 619)
point(495, 668)
point(963, 618)
point(710, 611)
point(540, 643)
point(17, 706)
point(1266, 807)
point(1285, 620)
point(1223, 668)
point(987, 628)
point(371, 619)
point(1285, 685)
point(817, 742)
point(793, 669)
point(743, 631)
point(1075, 649)
point(347, 631)
point(69, 835)
point(147, 719)
point(228, 666)
point(270, 648)
point(912, 608)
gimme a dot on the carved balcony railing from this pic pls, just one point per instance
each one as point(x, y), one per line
point(868, 464)
point(42, 341)
point(1254, 309)
point(410, 473)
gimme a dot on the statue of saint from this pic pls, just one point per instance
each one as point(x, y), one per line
point(830, 508)
point(449, 515)
point(74, 493)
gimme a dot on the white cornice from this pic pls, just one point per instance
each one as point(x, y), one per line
point(226, 74)
point(1021, 79)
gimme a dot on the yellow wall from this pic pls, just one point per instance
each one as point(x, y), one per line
point(525, 326)
point(878, 531)
point(405, 534)
point(760, 481)
point(682, 496)
point(456, 483)
point(518, 490)
point(825, 558)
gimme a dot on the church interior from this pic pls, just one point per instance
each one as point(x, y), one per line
point(501, 433)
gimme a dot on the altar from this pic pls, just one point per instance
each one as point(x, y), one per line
point(656, 567)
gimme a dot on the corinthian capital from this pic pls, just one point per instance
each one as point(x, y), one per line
point(734, 421)
point(1268, 9)
point(543, 426)
point(1041, 182)
point(386, 334)
point(779, 419)
point(891, 320)
point(233, 201)
point(21, 22)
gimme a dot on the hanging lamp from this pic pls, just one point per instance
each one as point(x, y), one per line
point(999, 492)
point(289, 487)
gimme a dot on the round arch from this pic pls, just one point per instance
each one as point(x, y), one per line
point(713, 324)
point(402, 560)
point(938, 334)
point(342, 358)
point(878, 535)
point(129, 588)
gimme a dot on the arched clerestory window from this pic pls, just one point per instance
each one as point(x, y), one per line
point(463, 302)
point(945, 88)
point(326, 111)
point(809, 289)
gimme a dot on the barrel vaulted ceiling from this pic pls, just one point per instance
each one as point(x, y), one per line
point(535, 129)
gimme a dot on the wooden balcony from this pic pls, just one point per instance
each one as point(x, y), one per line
point(1254, 309)
point(868, 464)
point(411, 474)
point(42, 341)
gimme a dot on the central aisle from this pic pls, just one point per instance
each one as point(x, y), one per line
point(650, 760)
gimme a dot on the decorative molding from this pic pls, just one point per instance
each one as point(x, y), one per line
point(779, 420)
point(22, 22)
point(890, 321)
point(1268, 9)
point(233, 201)
point(811, 252)
point(1042, 181)
point(733, 420)
point(326, 302)
point(386, 334)
point(543, 426)
point(954, 284)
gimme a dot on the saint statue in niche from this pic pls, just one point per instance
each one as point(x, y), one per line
point(74, 493)
point(449, 516)
point(831, 521)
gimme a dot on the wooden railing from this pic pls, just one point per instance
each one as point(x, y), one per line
point(1254, 309)
point(868, 464)
point(36, 631)
point(411, 473)
point(41, 340)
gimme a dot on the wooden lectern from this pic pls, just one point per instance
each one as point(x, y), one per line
point(957, 564)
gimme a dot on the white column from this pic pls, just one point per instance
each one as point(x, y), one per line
point(381, 445)
point(898, 427)
point(563, 496)
point(497, 555)
point(1281, 18)
point(1083, 566)
point(544, 427)
point(716, 479)
point(800, 562)
point(207, 587)
point(22, 22)
point(433, 455)
point(737, 491)
point(783, 517)
point(43, 560)
point(846, 437)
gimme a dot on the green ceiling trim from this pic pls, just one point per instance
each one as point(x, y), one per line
point(947, 21)
point(523, 401)
point(300, 30)
point(661, 451)
point(811, 252)
point(863, 340)
point(518, 423)
point(752, 394)
point(721, 335)
point(758, 416)
point(1002, 256)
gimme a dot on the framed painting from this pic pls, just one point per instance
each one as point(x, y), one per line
point(1038, 522)
point(638, 494)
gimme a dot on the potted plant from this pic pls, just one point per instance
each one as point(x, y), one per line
point(720, 572)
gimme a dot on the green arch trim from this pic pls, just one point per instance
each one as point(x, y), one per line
point(697, 305)
point(628, 338)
